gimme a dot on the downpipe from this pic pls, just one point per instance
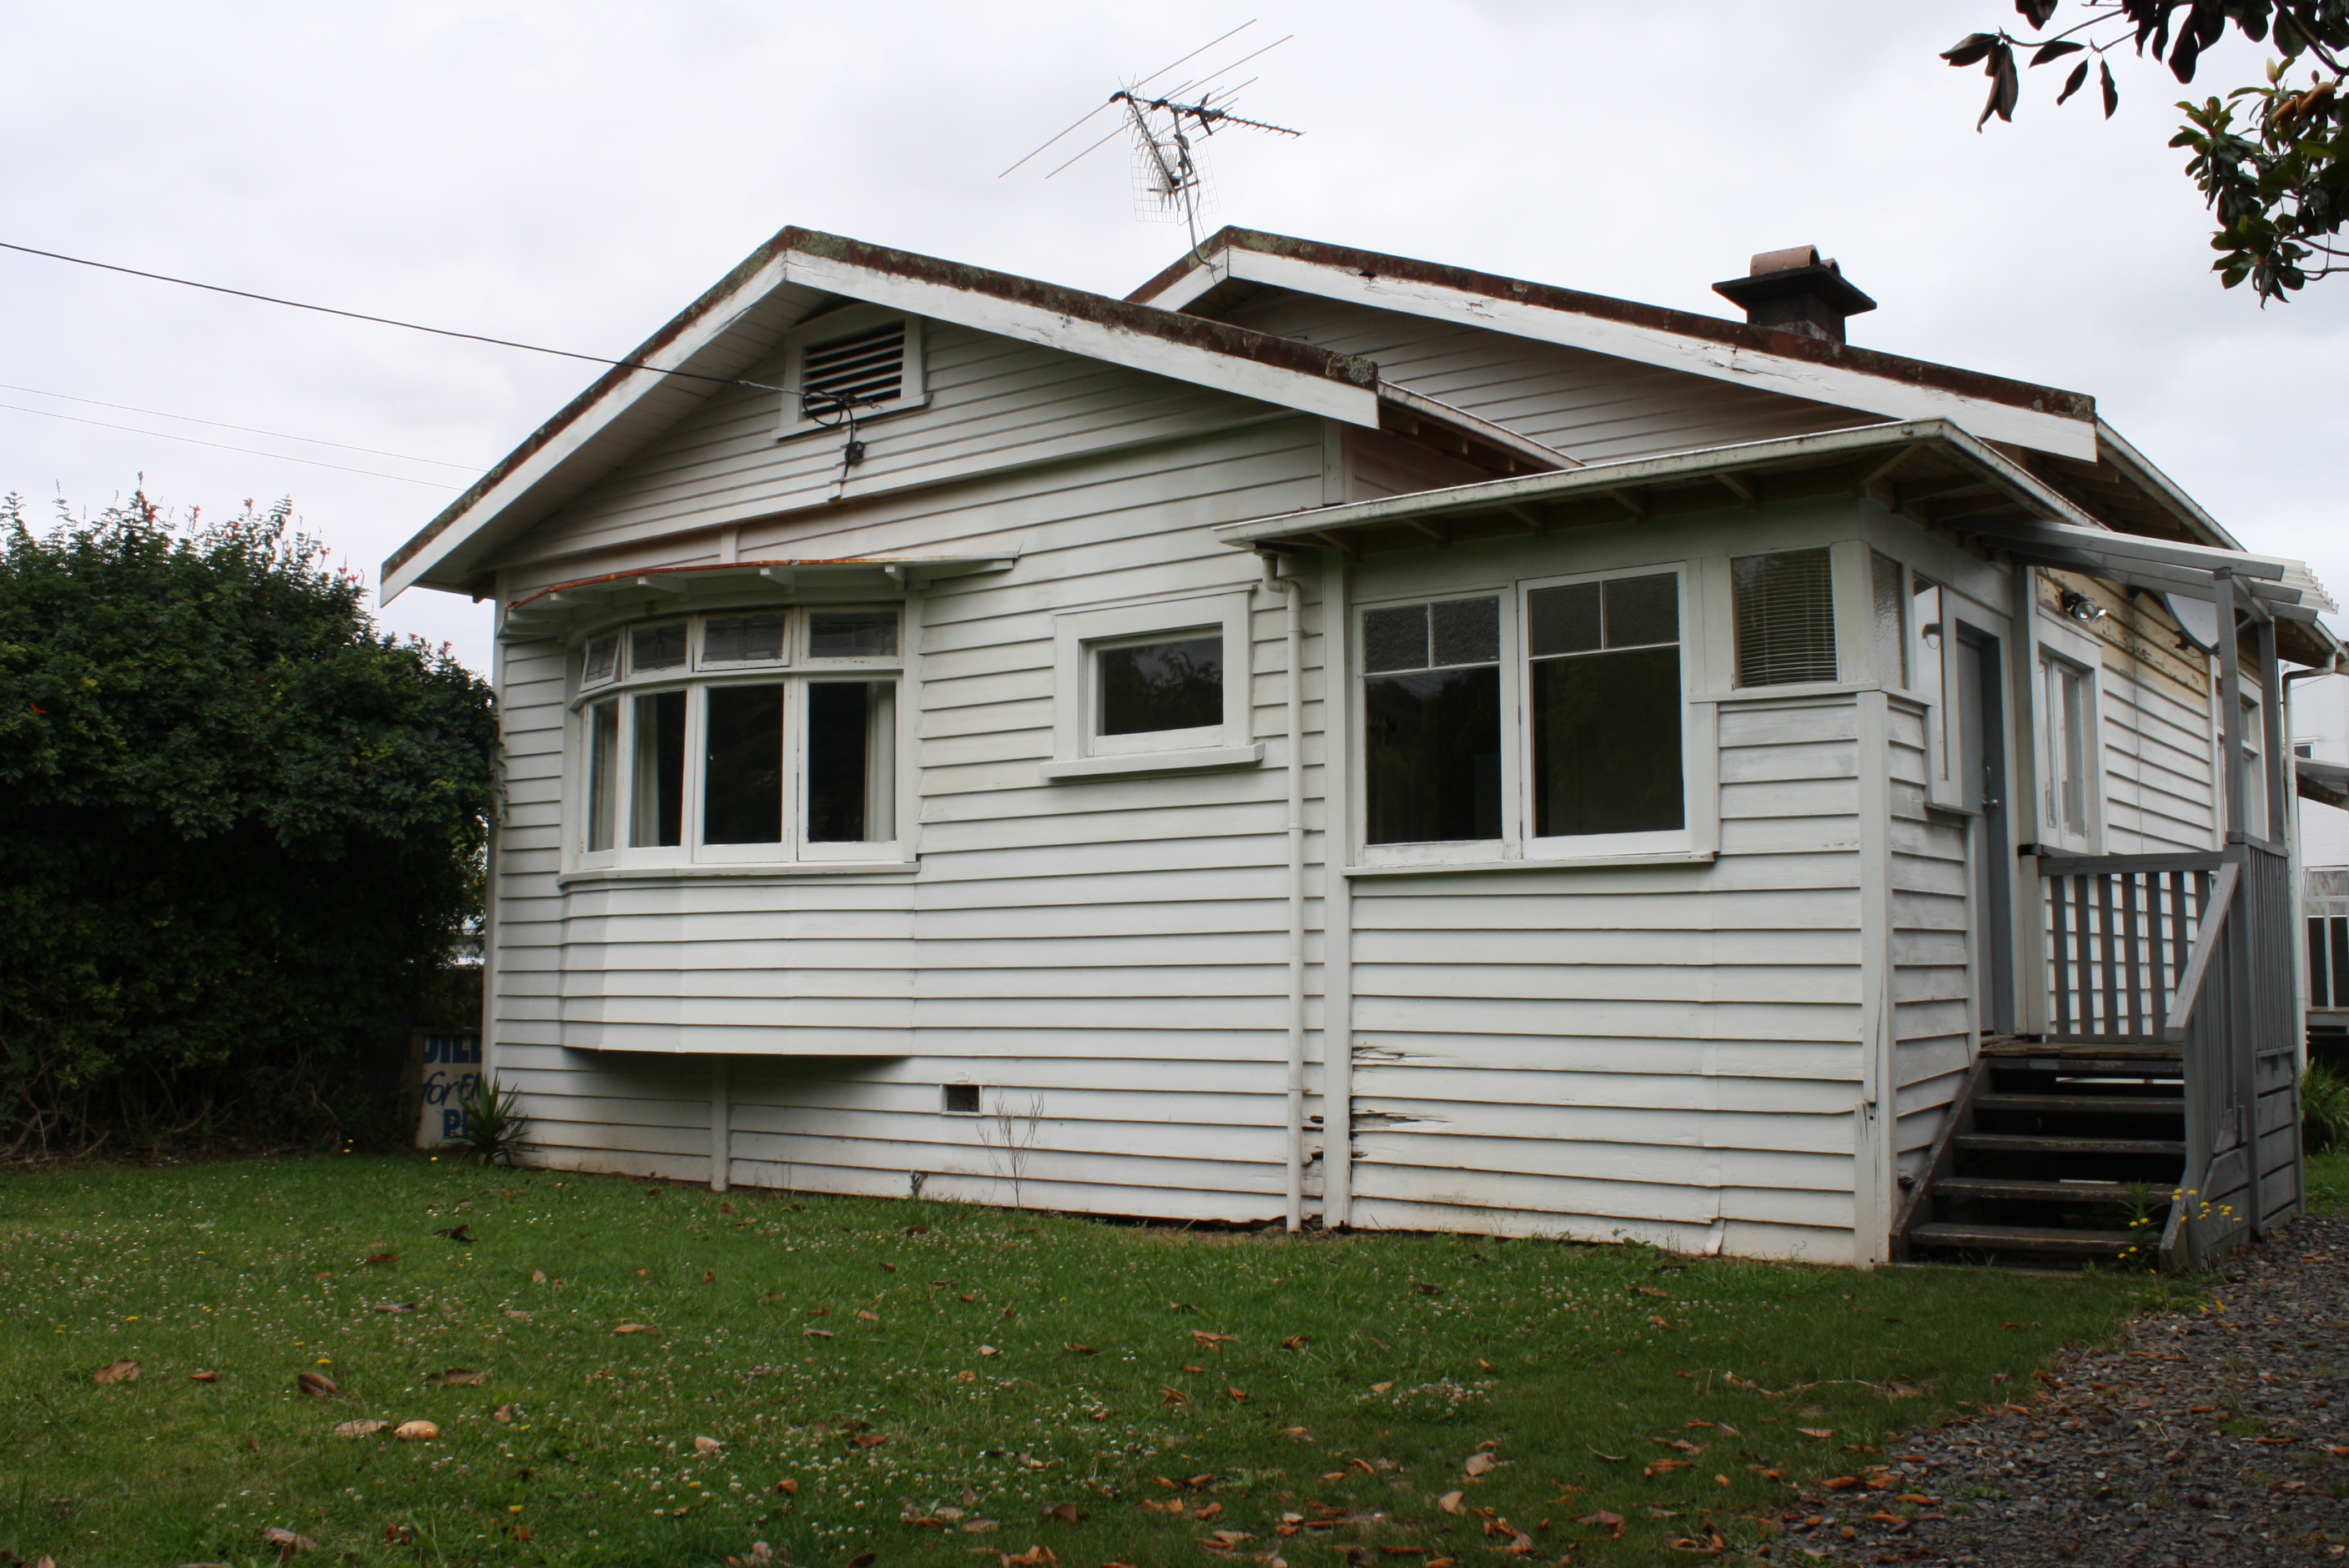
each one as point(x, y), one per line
point(1294, 766)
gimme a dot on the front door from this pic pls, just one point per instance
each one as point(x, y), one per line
point(1981, 777)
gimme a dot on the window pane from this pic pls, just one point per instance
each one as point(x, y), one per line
point(851, 751)
point(851, 634)
point(657, 781)
point(1785, 618)
point(1395, 639)
point(1641, 611)
point(1431, 751)
point(1563, 620)
point(657, 647)
point(742, 640)
point(1607, 743)
point(1891, 621)
point(742, 786)
point(602, 775)
point(1467, 631)
point(603, 655)
point(1161, 685)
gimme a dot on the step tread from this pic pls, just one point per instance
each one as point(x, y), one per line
point(2117, 1104)
point(2056, 1143)
point(2023, 1238)
point(2024, 1188)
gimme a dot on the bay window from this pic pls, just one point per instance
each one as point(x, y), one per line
point(753, 736)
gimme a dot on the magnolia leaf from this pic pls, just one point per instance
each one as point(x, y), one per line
point(117, 1372)
point(287, 1542)
point(416, 1431)
point(1479, 1464)
point(2112, 88)
point(456, 1377)
point(1208, 1341)
point(640, 1328)
point(503, 1415)
point(708, 1446)
point(1817, 1434)
point(1294, 1342)
point(1450, 1502)
point(1969, 49)
point(1839, 1483)
point(867, 1314)
point(1381, 1387)
point(204, 1377)
point(1080, 1349)
point(2035, 12)
point(2055, 51)
point(317, 1385)
point(382, 1258)
point(1612, 1458)
point(988, 1350)
point(538, 1276)
point(360, 1429)
point(1066, 1512)
point(2073, 83)
point(462, 1234)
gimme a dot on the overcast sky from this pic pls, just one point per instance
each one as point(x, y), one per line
point(573, 174)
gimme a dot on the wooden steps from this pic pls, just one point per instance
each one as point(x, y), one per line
point(2037, 1239)
point(2049, 1154)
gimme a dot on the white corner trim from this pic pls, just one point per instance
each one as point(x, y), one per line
point(1198, 760)
point(1031, 323)
point(2036, 428)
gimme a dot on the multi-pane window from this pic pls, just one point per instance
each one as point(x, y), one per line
point(755, 736)
point(1605, 699)
point(1784, 605)
point(2070, 742)
point(1432, 720)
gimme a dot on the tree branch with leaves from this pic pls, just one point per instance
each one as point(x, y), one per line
point(2271, 159)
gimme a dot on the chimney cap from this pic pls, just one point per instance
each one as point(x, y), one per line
point(1784, 275)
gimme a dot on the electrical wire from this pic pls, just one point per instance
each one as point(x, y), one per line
point(1152, 76)
point(389, 321)
point(223, 446)
point(248, 429)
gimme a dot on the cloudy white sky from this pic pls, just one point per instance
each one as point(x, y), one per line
point(573, 174)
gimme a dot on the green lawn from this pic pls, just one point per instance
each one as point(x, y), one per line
point(2327, 1176)
point(905, 1380)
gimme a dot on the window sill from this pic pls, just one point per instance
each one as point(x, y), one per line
point(753, 871)
point(1560, 862)
point(1196, 759)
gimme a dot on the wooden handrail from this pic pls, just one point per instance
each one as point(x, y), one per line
point(2206, 943)
point(2095, 865)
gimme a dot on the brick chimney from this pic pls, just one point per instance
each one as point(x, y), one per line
point(1794, 291)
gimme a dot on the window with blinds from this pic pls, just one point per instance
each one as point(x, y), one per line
point(1784, 611)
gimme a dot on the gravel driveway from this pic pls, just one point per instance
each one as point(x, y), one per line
point(2217, 1438)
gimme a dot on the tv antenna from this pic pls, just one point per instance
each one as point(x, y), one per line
point(1161, 124)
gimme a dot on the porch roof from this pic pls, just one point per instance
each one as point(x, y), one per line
point(1928, 470)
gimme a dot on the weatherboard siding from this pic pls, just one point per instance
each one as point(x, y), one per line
point(1930, 962)
point(1591, 406)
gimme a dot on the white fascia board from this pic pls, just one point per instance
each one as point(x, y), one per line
point(568, 442)
point(1031, 323)
point(2032, 428)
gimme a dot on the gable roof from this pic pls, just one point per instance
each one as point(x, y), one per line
point(743, 318)
point(1237, 262)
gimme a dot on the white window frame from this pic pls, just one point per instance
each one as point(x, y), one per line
point(795, 671)
point(2250, 717)
point(2061, 647)
point(1080, 751)
point(1577, 846)
point(914, 388)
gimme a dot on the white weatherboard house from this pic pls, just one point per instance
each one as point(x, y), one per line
point(1341, 737)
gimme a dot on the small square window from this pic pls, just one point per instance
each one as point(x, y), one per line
point(1150, 687)
point(659, 647)
point(1785, 610)
point(602, 660)
point(1159, 686)
point(960, 1098)
point(742, 640)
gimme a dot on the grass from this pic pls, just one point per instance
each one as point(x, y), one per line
point(1362, 1377)
point(2327, 1178)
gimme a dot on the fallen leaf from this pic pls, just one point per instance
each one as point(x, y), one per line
point(1920, 1499)
point(864, 1560)
point(317, 1385)
point(867, 1314)
point(538, 1276)
point(870, 1440)
point(1066, 1512)
point(889, 1268)
point(1381, 1387)
point(1450, 1502)
point(1302, 1434)
point(1662, 1467)
point(1173, 1397)
point(1817, 1434)
point(462, 1233)
point(392, 1306)
point(416, 1431)
point(1295, 1342)
point(360, 1429)
point(1651, 1289)
point(1208, 1341)
point(1034, 1557)
point(1478, 1464)
point(1839, 1483)
point(204, 1377)
point(988, 1350)
point(505, 1415)
point(1658, 1323)
point(788, 1487)
point(456, 1377)
point(980, 1526)
point(117, 1372)
point(1237, 1393)
point(285, 1541)
point(1682, 1444)
point(1612, 1458)
point(1423, 1288)
point(819, 1334)
point(708, 1446)
point(382, 1258)
point(1602, 1519)
point(636, 1328)
point(1082, 1349)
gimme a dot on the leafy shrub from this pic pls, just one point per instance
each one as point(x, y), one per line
point(494, 1122)
point(2324, 1109)
point(240, 830)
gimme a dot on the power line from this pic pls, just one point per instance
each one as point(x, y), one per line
point(253, 451)
point(386, 321)
point(248, 429)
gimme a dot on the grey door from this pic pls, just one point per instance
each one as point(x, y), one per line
point(1981, 777)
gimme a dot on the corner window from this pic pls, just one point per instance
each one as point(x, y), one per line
point(756, 735)
point(1888, 620)
point(1156, 687)
point(1783, 606)
point(851, 365)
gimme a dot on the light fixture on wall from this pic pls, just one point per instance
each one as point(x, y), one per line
point(2080, 607)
